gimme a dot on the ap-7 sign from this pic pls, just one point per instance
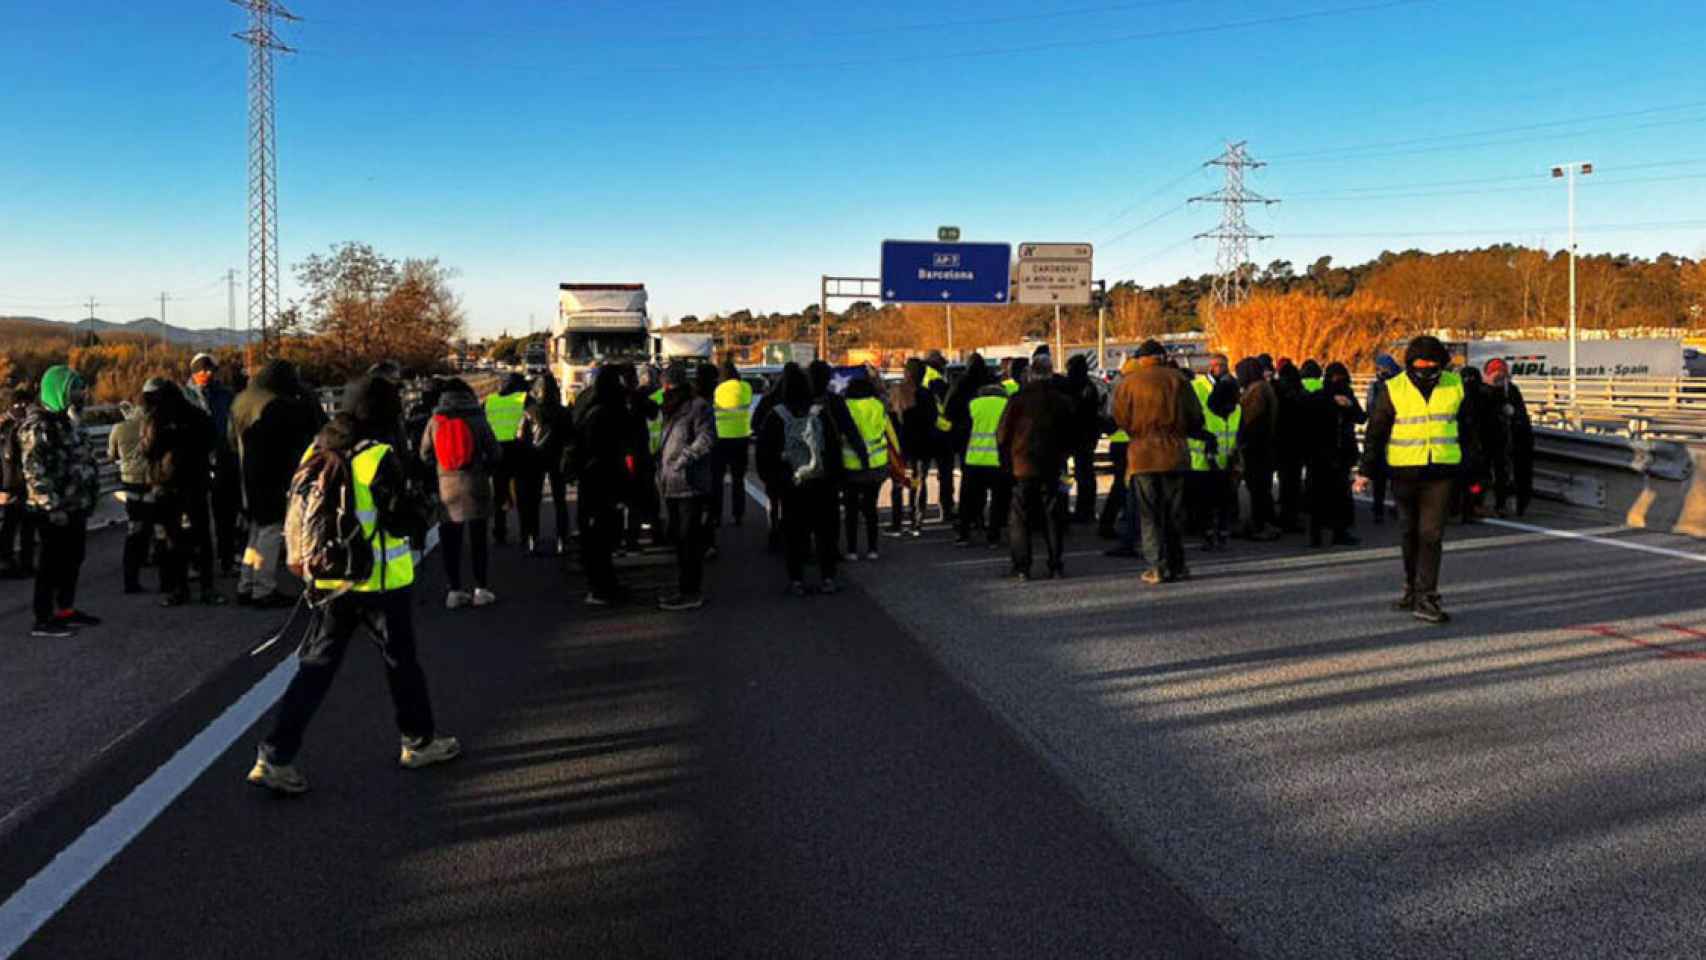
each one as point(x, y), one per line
point(918, 271)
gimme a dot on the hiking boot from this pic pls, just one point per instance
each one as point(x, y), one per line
point(1405, 603)
point(418, 753)
point(1153, 576)
point(483, 597)
point(278, 777)
point(1428, 610)
point(457, 599)
point(52, 630)
point(680, 602)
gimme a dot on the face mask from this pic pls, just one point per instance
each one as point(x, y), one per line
point(1425, 375)
point(201, 377)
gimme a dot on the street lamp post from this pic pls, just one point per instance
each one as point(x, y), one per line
point(1567, 171)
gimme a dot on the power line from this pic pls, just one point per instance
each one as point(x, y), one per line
point(1146, 198)
point(1144, 225)
point(1507, 141)
point(1594, 228)
point(1598, 184)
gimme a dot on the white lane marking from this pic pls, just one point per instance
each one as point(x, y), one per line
point(1576, 535)
point(757, 493)
point(46, 893)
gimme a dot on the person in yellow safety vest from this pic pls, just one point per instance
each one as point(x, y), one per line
point(1013, 376)
point(936, 381)
point(505, 411)
point(1214, 477)
point(1312, 378)
point(732, 404)
point(382, 604)
point(984, 478)
point(1424, 433)
point(865, 458)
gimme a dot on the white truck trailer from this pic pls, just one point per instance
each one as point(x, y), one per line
point(598, 323)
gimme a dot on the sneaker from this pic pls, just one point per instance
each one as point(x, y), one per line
point(562, 546)
point(278, 777)
point(871, 555)
point(457, 599)
point(52, 630)
point(1428, 611)
point(829, 587)
point(1405, 603)
point(1023, 576)
point(916, 532)
point(416, 754)
point(850, 557)
point(681, 602)
point(77, 618)
point(1153, 577)
point(484, 597)
point(594, 600)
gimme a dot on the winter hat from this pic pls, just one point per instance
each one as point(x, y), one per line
point(1426, 348)
point(156, 384)
point(1495, 367)
point(1152, 348)
point(1386, 366)
point(59, 386)
point(1310, 369)
point(203, 361)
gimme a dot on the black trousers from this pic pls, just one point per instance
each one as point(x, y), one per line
point(138, 533)
point(1522, 475)
point(983, 486)
point(1214, 501)
point(1259, 480)
point(1330, 506)
point(859, 501)
point(1290, 493)
point(729, 460)
point(808, 520)
point(601, 532)
point(188, 544)
point(687, 521)
point(643, 504)
point(452, 535)
point(60, 565)
point(1423, 506)
point(945, 462)
point(17, 534)
point(1084, 473)
point(1161, 508)
point(388, 617)
point(1037, 503)
point(918, 471)
point(511, 467)
point(1378, 484)
point(1117, 496)
point(226, 498)
point(530, 492)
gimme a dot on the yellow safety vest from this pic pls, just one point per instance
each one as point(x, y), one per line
point(986, 412)
point(1010, 385)
point(505, 413)
point(393, 558)
point(1203, 387)
point(931, 375)
point(733, 400)
point(1312, 384)
point(873, 423)
point(1119, 436)
point(654, 425)
point(1225, 430)
point(1425, 430)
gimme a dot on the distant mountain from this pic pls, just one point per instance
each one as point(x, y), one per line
point(145, 327)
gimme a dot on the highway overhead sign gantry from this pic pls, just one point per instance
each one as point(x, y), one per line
point(1060, 274)
point(922, 271)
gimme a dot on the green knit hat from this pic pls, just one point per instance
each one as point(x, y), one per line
point(57, 386)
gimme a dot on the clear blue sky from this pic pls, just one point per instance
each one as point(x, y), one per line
point(727, 154)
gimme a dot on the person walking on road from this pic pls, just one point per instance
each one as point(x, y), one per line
point(224, 488)
point(936, 381)
point(460, 446)
point(733, 401)
point(545, 430)
point(797, 451)
point(1512, 465)
point(865, 460)
point(687, 443)
point(1257, 435)
point(1159, 411)
point(392, 517)
point(506, 411)
point(1035, 438)
point(17, 533)
point(1288, 444)
point(61, 482)
point(1087, 433)
point(985, 482)
point(1424, 433)
point(915, 412)
point(177, 440)
point(1330, 454)
point(124, 447)
point(604, 445)
point(273, 421)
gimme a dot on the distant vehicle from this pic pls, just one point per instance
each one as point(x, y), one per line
point(537, 359)
point(598, 323)
point(671, 347)
point(782, 353)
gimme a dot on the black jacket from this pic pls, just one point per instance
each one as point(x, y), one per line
point(604, 440)
point(177, 440)
point(773, 468)
point(272, 423)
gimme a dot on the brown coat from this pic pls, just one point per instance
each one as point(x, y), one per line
point(1156, 407)
point(1259, 424)
point(1035, 435)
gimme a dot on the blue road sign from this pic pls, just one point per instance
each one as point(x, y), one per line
point(921, 271)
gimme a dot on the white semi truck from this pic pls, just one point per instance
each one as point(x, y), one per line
point(598, 323)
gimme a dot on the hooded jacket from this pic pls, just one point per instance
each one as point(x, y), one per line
point(545, 427)
point(466, 494)
point(606, 434)
point(177, 439)
point(272, 422)
point(689, 436)
point(1086, 401)
point(1382, 417)
point(1157, 408)
point(59, 469)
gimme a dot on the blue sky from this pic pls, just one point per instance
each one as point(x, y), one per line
point(727, 154)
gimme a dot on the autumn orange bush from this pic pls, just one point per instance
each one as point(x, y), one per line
point(1351, 330)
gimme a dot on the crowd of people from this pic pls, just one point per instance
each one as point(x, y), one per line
point(210, 469)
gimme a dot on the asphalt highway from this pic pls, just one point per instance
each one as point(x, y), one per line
point(1261, 762)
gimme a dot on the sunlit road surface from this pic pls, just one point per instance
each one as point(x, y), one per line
point(1261, 762)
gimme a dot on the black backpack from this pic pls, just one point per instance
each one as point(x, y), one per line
point(322, 530)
